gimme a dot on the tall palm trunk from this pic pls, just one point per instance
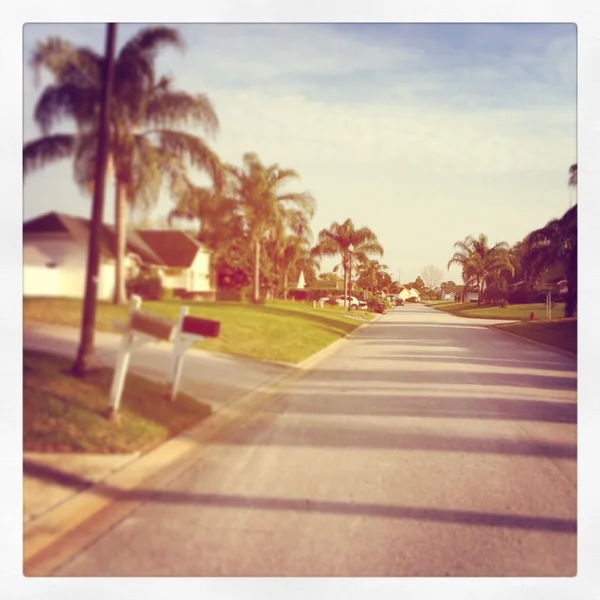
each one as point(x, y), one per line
point(119, 296)
point(257, 271)
point(285, 284)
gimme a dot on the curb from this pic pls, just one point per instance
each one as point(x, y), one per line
point(534, 342)
point(57, 536)
point(307, 363)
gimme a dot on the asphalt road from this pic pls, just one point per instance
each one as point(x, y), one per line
point(427, 445)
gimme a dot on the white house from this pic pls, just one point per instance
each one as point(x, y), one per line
point(184, 263)
point(456, 293)
point(55, 247)
point(407, 293)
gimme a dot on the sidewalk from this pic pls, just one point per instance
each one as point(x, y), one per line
point(222, 379)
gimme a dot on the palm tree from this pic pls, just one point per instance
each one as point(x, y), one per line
point(348, 242)
point(479, 262)
point(370, 275)
point(556, 243)
point(219, 214)
point(147, 147)
point(268, 211)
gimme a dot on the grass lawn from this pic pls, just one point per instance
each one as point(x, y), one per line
point(62, 413)
point(283, 331)
point(512, 312)
point(560, 333)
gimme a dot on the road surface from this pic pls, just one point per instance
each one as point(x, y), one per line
point(427, 445)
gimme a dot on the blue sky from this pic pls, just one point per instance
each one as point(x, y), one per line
point(424, 133)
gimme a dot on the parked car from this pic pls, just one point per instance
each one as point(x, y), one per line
point(355, 303)
point(399, 302)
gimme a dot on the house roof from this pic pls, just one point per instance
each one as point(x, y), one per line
point(175, 248)
point(454, 289)
point(171, 248)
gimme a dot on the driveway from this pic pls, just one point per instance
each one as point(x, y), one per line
point(427, 445)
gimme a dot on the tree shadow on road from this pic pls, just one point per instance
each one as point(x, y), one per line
point(305, 505)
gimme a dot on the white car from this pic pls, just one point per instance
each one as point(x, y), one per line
point(355, 303)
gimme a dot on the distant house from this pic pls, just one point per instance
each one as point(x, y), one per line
point(55, 247)
point(407, 293)
point(457, 293)
point(554, 279)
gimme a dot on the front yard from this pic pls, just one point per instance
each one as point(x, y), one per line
point(63, 413)
point(284, 331)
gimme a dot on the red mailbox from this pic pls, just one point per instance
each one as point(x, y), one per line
point(198, 326)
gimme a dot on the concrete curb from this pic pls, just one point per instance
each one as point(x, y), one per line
point(57, 535)
point(328, 350)
point(534, 342)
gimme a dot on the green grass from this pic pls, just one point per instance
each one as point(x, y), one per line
point(513, 312)
point(560, 333)
point(63, 413)
point(283, 331)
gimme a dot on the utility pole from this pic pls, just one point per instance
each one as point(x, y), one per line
point(85, 355)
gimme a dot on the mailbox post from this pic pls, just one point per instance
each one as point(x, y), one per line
point(141, 328)
point(123, 359)
point(189, 331)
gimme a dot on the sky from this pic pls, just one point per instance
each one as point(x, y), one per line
point(425, 133)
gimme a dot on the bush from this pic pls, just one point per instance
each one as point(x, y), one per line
point(377, 305)
point(147, 286)
point(503, 303)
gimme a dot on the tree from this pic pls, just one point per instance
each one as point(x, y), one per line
point(85, 353)
point(431, 276)
point(149, 145)
point(556, 243)
point(417, 284)
point(293, 249)
point(339, 239)
point(480, 262)
point(446, 284)
point(268, 212)
point(370, 274)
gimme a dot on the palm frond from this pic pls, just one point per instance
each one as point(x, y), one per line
point(41, 152)
point(193, 149)
point(166, 108)
point(66, 100)
point(573, 175)
point(66, 63)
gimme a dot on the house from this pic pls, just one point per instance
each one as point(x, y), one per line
point(184, 265)
point(456, 293)
point(55, 249)
point(407, 293)
point(553, 279)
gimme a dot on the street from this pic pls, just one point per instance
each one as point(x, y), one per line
point(426, 445)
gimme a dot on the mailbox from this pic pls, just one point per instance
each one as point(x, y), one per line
point(203, 327)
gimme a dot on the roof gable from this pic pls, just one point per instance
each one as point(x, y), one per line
point(78, 229)
point(174, 247)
